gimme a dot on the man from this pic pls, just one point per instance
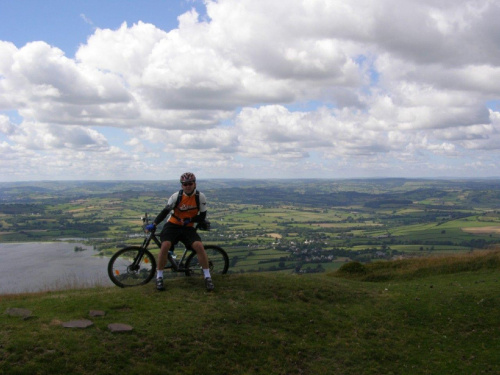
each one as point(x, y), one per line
point(184, 211)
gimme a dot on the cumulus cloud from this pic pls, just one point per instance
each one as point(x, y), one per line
point(259, 84)
point(40, 136)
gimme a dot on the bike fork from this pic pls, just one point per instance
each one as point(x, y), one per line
point(137, 261)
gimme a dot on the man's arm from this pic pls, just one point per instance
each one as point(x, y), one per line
point(200, 217)
point(162, 215)
point(169, 207)
point(202, 213)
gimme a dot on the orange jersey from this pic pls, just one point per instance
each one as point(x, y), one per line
point(186, 209)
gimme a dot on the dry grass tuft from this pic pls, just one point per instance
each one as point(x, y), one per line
point(425, 266)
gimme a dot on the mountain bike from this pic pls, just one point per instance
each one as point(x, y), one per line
point(136, 265)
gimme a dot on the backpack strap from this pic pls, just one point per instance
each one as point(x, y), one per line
point(179, 198)
point(197, 198)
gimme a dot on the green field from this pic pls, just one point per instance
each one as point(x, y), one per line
point(271, 225)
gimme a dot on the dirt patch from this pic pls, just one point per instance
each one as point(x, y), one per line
point(275, 235)
point(483, 230)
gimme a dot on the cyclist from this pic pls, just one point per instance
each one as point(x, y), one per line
point(182, 213)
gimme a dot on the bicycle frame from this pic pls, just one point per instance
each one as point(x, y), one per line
point(178, 266)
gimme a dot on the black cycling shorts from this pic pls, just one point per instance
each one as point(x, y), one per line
point(175, 233)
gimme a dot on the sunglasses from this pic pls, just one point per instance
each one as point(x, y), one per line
point(187, 184)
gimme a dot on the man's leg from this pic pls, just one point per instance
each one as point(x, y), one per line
point(202, 254)
point(162, 261)
point(203, 259)
point(162, 256)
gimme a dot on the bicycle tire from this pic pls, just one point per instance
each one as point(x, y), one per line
point(217, 259)
point(119, 267)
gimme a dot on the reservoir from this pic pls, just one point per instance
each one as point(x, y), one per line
point(49, 266)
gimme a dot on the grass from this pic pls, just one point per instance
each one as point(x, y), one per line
point(422, 316)
point(422, 266)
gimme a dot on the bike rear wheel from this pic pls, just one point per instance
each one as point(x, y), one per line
point(131, 266)
point(218, 262)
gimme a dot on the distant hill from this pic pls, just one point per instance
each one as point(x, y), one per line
point(313, 192)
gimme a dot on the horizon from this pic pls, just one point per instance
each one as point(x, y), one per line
point(107, 90)
point(444, 178)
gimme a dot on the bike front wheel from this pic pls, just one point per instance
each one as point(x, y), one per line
point(218, 262)
point(131, 266)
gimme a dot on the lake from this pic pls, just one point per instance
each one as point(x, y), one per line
point(44, 266)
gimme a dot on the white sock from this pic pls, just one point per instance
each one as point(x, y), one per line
point(159, 274)
point(207, 273)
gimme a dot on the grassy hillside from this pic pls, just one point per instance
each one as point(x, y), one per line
point(421, 316)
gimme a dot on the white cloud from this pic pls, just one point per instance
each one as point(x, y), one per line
point(86, 19)
point(40, 136)
point(297, 85)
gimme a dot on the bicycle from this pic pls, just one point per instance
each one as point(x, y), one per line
point(136, 265)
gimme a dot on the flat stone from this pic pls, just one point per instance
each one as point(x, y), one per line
point(15, 311)
point(84, 323)
point(119, 327)
point(94, 313)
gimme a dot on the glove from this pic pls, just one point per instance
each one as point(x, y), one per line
point(204, 225)
point(150, 227)
point(186, 221)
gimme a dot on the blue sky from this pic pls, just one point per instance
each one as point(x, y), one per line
point(248, 89)
point(67, 24)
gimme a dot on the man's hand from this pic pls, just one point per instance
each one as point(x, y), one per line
point(150, 227)
point(186, 221)
point(204, 225)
